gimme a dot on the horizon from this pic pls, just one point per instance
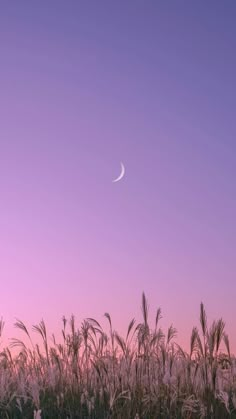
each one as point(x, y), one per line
point(30, 335)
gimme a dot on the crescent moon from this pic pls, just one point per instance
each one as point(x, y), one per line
point(122, 173)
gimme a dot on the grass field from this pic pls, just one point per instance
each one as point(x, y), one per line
point(144, 374)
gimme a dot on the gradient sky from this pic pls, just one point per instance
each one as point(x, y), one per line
point(83, 86)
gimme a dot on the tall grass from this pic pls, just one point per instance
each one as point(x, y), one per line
point(93, 375)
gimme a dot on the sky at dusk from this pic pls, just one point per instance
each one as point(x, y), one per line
point(85, 85)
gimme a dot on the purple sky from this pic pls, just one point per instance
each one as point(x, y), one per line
point(83, 86)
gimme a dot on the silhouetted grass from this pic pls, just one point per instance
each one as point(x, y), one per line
point(145, 374)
